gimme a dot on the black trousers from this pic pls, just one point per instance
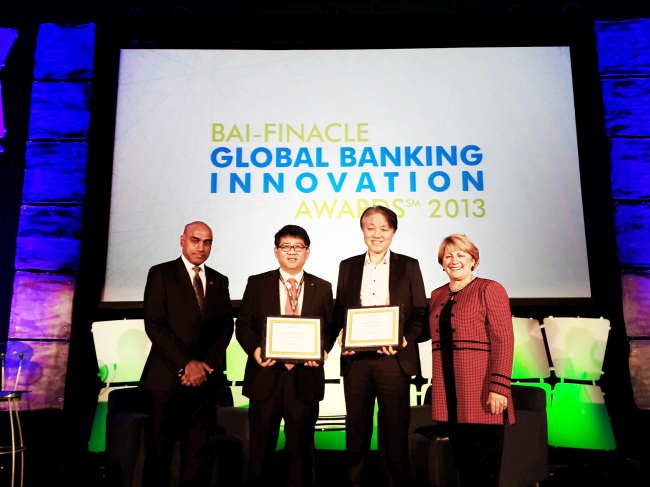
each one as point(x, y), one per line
point(371, 376)
point(477, 450)
point(188, 416)
point(299, 421)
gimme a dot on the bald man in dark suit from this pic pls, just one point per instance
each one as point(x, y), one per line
point(188, 318)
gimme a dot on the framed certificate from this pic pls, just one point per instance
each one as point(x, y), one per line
point(372, 328)
point(293, 340)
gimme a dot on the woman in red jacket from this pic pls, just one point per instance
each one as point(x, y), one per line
point(472, 344)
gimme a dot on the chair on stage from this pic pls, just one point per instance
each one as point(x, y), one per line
point(578, 417)
point(128, 435)
point(128, 423)
point(525, 449)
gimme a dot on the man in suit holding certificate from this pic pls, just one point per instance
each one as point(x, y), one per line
point(278, 390)
point(188, 319)
point(380, 277)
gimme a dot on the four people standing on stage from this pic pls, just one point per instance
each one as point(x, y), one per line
point(473, 345)
point(380, 277)
point(188, 319)
point(277, 390)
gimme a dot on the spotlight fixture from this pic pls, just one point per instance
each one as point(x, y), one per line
point(332, 9)
point(517, 8)
point(571, 9)
point(182, 12)
point(136, 13)
point(376, 7)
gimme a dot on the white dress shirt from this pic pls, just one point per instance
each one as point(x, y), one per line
point(190, 270)
point(283, 291)
point(374, 284)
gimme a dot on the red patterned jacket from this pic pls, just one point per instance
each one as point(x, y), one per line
point(483, 342)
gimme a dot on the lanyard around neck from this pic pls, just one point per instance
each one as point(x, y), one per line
point(294, 303)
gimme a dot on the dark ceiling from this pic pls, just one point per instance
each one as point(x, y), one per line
point(94, 11)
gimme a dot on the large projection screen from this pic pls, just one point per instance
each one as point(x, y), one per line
point(480, 141)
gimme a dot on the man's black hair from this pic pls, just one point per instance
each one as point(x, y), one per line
point(292, 231)
point(391, 217)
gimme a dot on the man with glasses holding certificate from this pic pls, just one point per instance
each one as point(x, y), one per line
point(281, 381)
point(380, 277)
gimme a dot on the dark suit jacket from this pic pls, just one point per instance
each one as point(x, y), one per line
point(176, 328)
point(405, 288)
point(261, 300)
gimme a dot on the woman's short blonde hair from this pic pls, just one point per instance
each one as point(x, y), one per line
point(460, 242)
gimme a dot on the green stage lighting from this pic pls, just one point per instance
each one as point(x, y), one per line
point(578, 418)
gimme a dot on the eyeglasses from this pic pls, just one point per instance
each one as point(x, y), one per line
point(296, 248)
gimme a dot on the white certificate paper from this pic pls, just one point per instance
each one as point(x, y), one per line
point(293, 338)
point(372, 327)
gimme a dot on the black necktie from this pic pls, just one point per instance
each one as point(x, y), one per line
point(198, 287)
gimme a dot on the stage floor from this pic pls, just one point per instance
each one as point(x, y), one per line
point(568, 468)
